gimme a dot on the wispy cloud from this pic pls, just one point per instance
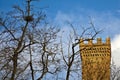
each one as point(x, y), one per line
point(63, 17)
point(107, 21)
point(115, 45)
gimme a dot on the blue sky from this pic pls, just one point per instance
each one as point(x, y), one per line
point(68, 5)
point(105, 15)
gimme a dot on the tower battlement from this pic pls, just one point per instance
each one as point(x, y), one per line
point(98, 41)
point(95, 57)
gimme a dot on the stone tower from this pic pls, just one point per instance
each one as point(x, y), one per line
point(96, 58)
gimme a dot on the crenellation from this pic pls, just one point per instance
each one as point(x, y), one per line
point(98, 42)
point(81, 41)
point(108, 40)
point(90, 42)
point(96, 57)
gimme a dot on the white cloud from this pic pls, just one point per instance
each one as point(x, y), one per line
point(115, 45)
point(63, 17)
point(109, 22)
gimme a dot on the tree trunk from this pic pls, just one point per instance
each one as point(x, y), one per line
point(68, 73)
point(15, 56)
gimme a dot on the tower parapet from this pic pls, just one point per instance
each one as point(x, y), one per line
point(95, 57)
point(108, 40)
point(98, 42)
point(90, 42)
point(81, 41)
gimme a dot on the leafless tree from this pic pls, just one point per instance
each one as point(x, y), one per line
point(71, 58)
point(28, 45)
point(30, 48)
point(48, 52)
point(115, 71)
point(17, 39)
